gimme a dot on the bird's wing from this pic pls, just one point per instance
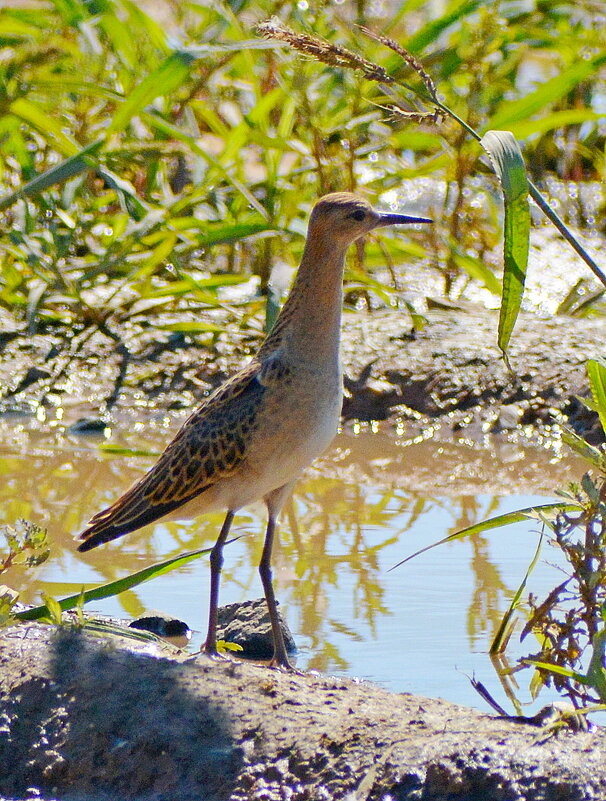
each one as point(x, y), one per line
point(210, 445)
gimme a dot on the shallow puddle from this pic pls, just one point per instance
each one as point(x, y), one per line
point(424, 627)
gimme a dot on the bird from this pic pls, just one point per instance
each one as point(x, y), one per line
point(251, 439)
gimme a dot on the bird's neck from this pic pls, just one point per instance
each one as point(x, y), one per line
point(308, 326)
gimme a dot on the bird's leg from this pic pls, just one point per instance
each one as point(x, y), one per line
point(280, 657)
point(216, 563)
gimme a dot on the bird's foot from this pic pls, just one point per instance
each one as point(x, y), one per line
point(284, 665)
point(214, 653)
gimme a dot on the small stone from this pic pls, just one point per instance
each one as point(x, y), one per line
point(509, 417)
point(88, 425)
point(164, 626)
point(247, 624)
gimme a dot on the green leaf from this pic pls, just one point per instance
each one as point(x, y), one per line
point(218, 234)
point(170, 74)
point(548, 92)
point(11, 28)
point(432, 30)
point(116, 587)
point(528, 513)
point(192, 327)
point(477, 269)
point(561, 671)
point(596, 371)
point(499, 642)
point(507, 161)
point(50, 128)
point(172, 130)
point(224, 645)
point(53, 608)
point(584, 449)
point(119, 450)
point(8, 598)
point(157, 256)
point(130, 200)
point(80, 162)
point(558, 119)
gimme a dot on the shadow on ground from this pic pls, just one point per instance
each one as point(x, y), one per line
point(105, 719)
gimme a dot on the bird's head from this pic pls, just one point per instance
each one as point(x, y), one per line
point(344, 217)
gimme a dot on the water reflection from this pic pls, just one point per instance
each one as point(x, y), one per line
point(368, 504)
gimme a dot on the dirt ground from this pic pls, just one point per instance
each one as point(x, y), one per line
point(449, 377)
point(90, 717)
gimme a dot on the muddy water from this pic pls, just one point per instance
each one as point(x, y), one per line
point(371, 501)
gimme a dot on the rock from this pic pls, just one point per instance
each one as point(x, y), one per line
point(88, 425)
point(508, 418)
point(247, 624)
point(171, 628)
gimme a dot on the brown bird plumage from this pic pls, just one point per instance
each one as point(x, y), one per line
point(252, 438)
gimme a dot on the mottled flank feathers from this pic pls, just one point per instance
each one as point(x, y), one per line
point(209, 446)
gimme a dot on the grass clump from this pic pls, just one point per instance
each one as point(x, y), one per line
point(139, 158)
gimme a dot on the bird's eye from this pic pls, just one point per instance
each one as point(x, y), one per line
point(358, 215)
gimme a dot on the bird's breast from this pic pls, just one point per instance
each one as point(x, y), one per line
point(300, 421)
point(295, 423)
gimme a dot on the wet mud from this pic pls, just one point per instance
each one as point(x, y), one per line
point(86, 717)
point(449, 376)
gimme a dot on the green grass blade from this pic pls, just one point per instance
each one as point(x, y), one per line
point(507, 161)
point(192, 327)
point(548, 92)
point(499, 642)
point(132, 203)
point(528, 513)
point(476, 268)
point(170, 74)
point(120, 450)
point(220, 234)
point(596, 371)
point(558, 119)
point(80, 162)
point(49, 127)
point(561, 671)
point(428, 34)
point(14, 28)
point(172, 130)
point(584, 449)
point(116, 587)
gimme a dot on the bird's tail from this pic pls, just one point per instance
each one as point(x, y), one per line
point(131, 511)
point(110, 524)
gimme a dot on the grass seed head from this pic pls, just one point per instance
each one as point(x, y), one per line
point(327, 53)
point(411, 60)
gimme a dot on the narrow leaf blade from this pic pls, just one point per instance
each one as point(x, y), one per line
point(548, 92)
point(596, 371)
point(80, 162)
point(116, 587)
point(169, 75)
point(507, 161)
point(528, 513)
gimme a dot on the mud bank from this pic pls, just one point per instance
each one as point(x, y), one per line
point(449, 374)
point(84, 716)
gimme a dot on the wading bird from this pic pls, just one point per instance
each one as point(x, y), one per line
point(253, 436)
